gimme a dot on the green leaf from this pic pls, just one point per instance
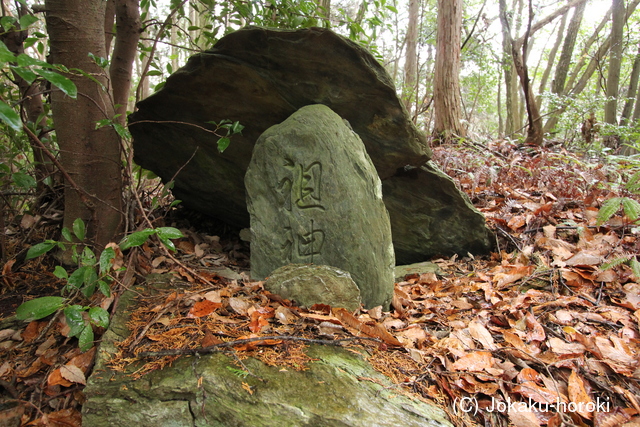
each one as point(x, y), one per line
point(23, 180)
point(7, 22)
point(607, 210)
point(28, 75)
point(79, 228)
point(40, 249)
point(86, 338)
point(87, 257)
point(27, 20)
point(631, 208)
point(59, 81)
point(104, 288)
point(136, 238)
point(154, 73)
point(39, 308)
point(10, 117)
point(168, 243)
point(169, 233)
point(100, 61)
point(237, 128)
point(5, 54)
point(106, 260)
point(25, 60)
point(60, 272)
point(635, 267)
point(99, 316)
point(66, 233)
point(78, 278)
point(75, 321)
point(223, 144)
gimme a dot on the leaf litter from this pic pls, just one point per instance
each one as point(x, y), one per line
point(538, 333)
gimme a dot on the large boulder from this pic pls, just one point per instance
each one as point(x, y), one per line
point(430, 216)
point(260, 77)
point(314, 197)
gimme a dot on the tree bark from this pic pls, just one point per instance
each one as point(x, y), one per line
point(90, 156)
point(615, 62)
point(631, 91)
point(128, 29)
point(411, 57)
point(562, 69)
point(551, 60)
point(447, 102)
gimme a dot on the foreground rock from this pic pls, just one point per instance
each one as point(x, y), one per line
point(314, 197)
point(339, 389)
point(314, 284)
point(260, 77)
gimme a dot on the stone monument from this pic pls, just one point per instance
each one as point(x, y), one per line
point(314, 197)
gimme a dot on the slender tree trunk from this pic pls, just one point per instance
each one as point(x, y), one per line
point(411, 57)
point(90, 156)
point(615, 62)
point(562, 69)
point(447, 102)
point(128, 29)
point(631, 91)
point(551, 59)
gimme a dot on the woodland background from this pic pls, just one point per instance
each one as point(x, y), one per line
point(532, 106)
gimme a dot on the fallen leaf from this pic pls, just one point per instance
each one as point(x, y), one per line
point(482, 334)
point(476, 361)
point(375, 331)
point(579, 395)
point(73, 373)
point(56, 378)
point(203, 308)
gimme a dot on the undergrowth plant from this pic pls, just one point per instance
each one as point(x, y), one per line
point(631, 209)
point(92, 274)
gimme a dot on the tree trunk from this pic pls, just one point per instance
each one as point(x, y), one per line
point(631, 91)
point(447, 102)
point(128, 29)
point(562, 69)
point(551, 59)
point(411, 57)
point(615, 61)
point(90, 156)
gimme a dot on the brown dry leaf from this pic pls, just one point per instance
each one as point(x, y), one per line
point(240, 306)
point(6, 268)
point(84, 361)
point(579, 395)
point(521, 415)
point(209, 339)
point(73, 373)
point(203, 308)
point(254, 344)
point(258, 321)
point(482, 335)
point(32, 331)
point(584, 258)
point(617, 356)
point(533, 391)
point(285, 316)
point(511, 274)
point(375, 331)
point(563, 348)
point(515, 341)
point(535, 329)
point(213, 296)
point(42, 348)
point(247, 387)
point(476, 361)
point(56, 378)
point(64, 418)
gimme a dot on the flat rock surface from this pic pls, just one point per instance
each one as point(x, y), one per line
point(339, 389)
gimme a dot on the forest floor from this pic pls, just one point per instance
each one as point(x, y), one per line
point(537, 333)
